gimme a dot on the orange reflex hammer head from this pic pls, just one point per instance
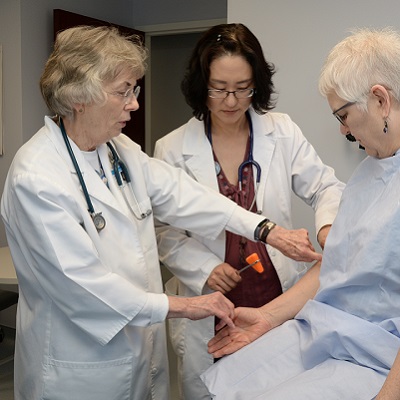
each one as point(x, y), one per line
point(254, 259)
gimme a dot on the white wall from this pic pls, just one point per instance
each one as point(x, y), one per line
point(297, 36)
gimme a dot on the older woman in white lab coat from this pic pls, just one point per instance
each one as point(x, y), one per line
point(91, 306)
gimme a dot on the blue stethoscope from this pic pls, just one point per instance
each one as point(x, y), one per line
point(121, 173)
point(249, 162)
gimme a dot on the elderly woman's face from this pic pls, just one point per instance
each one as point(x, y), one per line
point(366, 127)
point(106, 121)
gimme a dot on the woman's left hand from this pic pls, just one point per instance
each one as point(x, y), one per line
point(294, 244)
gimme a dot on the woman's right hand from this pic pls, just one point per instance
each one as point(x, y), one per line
point(223, 278)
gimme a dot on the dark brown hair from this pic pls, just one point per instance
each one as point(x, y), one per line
point(227, 39)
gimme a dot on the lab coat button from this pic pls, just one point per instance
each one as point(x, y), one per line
point(154, 371)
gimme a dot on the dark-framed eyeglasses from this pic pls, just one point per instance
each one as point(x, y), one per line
point(223, 94)
point(342, 118)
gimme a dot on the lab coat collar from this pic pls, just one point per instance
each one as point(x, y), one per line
point(263, 150)
point(95, 186)
point(198, 153)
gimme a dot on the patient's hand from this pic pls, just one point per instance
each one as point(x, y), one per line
point(250, 324)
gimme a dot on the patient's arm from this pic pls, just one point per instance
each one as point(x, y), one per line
point(322, 235)
point(251, 323)
point(391, 388)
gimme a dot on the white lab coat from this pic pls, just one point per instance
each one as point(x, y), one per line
point(289, 164)
point(91, 307)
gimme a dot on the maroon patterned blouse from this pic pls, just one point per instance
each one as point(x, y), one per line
point(255, 289)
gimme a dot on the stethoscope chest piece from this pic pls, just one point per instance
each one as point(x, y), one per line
point(99, 221)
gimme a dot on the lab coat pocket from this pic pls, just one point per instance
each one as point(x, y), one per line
point(65, 380)
point(176, 326)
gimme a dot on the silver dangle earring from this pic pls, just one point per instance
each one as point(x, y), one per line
point(385, 127)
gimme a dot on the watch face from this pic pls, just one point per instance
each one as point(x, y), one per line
point(270, 225)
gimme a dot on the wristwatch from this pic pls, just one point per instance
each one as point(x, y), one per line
point(267, 228)
point(263, 229)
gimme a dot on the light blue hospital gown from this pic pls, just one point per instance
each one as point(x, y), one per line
point(342, 344)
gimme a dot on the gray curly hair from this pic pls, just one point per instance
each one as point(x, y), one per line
point(83, 59)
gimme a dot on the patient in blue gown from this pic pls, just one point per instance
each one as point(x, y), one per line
point(336, 333)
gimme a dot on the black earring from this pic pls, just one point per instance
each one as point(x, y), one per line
point(385, 128)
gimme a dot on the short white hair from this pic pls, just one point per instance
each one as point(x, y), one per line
point(365, 58)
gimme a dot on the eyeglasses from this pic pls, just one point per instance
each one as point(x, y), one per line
point(223, 94)
point(128, 94)
point(342, 118)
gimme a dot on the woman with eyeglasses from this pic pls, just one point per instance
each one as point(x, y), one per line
point(78, 205)
point(255, 157)
point(336, 334)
